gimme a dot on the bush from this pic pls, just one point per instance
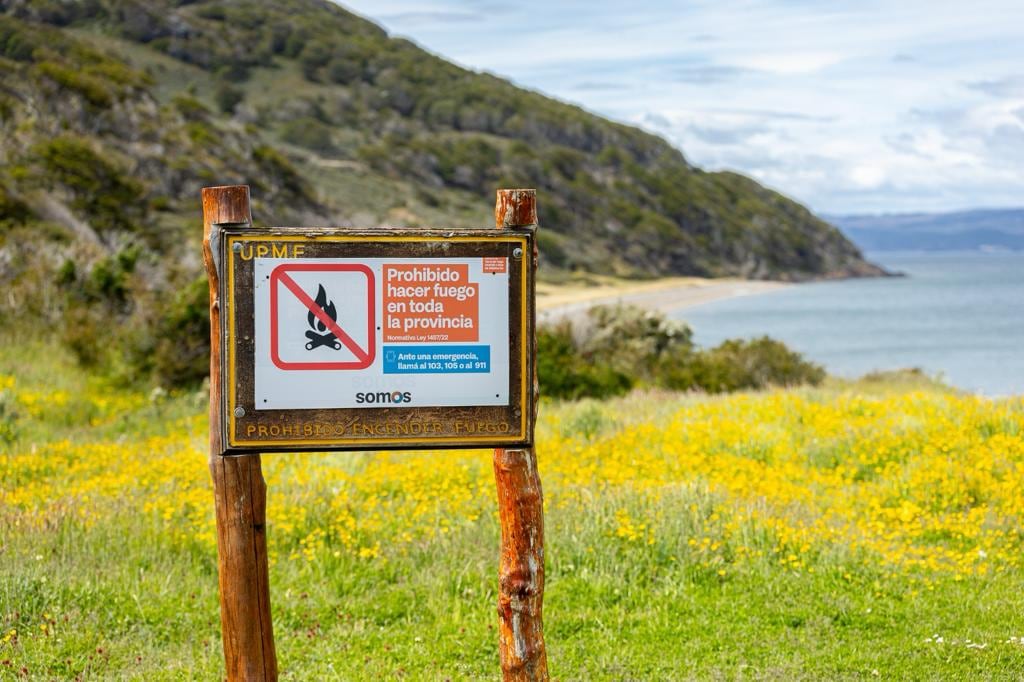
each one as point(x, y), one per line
point(739, 364)
point(632, 339)
point(213, 13)
point(181, 355)
point(96, 300)
point(228, 97)
point(314, 56)
point(282, 174)
point(190, 108)
point(109, 199)
point(551, 249)
point(309, 133)
point(132, 334)
point(90, 88)
point(564, 373)
point(618, 347)
point(15, 41)
point(343, 70)
point(13, 211)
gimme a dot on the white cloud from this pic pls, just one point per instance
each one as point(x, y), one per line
point(787, 63)
point(873, 105)
point(867, 176)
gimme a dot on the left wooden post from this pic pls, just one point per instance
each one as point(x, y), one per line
point(239, 491)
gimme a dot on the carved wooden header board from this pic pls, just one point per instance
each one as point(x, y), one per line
point(337, 338)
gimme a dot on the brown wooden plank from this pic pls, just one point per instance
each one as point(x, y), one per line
point(239, 489)
point(521, 645)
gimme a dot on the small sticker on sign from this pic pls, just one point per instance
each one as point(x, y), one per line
point(495, 265)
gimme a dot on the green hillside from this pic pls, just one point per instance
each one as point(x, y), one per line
point(114, 113)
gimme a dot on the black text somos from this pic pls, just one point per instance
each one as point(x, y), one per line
point(384, 397)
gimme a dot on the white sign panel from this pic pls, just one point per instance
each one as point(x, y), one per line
point(380, 332)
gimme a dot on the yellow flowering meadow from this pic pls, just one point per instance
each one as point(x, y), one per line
point(925, 482)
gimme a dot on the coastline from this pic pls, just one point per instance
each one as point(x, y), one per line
point(557, 301)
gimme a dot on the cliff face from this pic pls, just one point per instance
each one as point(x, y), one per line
point(113, 113)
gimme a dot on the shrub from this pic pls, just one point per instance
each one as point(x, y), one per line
point(343, 70)
point(90, 88)
point(7, 109)
point(15, 41)
point(614, 348)
point(132, 334)
point(278, 39)
point(309, 133)
point(106, 282)
point(228, 97)
point(551, 250)
point(118, 73)
point(214, 13)
point(620, 346)
point(85, 333)
point(108, 198)
point(295, 43)
point(201, 133)
point(465, 163)
point(739, 364)
point(564, 373)
point(314, 56)
point(632, 339)
point(13, 211)
point(181, 355)
point(282, 173)
point(96, 300)
point(190, 108)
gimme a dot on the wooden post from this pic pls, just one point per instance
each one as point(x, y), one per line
point(521, 506)
point(239, 490)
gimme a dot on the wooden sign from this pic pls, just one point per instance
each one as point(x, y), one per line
point(304, 319)
point(335, 338)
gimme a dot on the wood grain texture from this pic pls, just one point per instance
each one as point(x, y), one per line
point(515, 208)
point(521, 508)
point(240, 493)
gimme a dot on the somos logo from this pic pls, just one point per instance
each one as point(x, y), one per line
point(384, 397)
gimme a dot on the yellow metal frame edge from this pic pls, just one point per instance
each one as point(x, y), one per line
point(524, 396)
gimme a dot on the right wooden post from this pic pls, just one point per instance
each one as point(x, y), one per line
point(521, 505)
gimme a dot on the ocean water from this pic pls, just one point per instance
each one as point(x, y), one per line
point(959, 315)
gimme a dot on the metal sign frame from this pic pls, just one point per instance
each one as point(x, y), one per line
point(369, 428)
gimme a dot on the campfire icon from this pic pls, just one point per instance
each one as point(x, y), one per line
point(316, 336)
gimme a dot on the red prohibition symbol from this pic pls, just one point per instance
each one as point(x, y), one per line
point(364, 354)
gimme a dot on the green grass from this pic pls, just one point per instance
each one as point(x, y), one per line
point(148, 611)
point(121, 600)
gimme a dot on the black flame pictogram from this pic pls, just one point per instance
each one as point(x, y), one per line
point(316, 337)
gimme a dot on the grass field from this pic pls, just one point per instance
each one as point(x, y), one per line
point(852, 532)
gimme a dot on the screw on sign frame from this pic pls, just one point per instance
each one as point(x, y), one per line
point(240, 491)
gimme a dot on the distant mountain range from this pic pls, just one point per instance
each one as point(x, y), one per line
point(974, 230)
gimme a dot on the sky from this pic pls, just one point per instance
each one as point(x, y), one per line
point(850, 106)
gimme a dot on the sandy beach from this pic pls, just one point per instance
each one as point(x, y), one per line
point(666, 295)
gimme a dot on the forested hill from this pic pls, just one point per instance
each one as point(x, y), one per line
point(113, 114)
point(332, 120)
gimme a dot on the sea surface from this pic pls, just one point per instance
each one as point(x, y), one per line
point(959, 315)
